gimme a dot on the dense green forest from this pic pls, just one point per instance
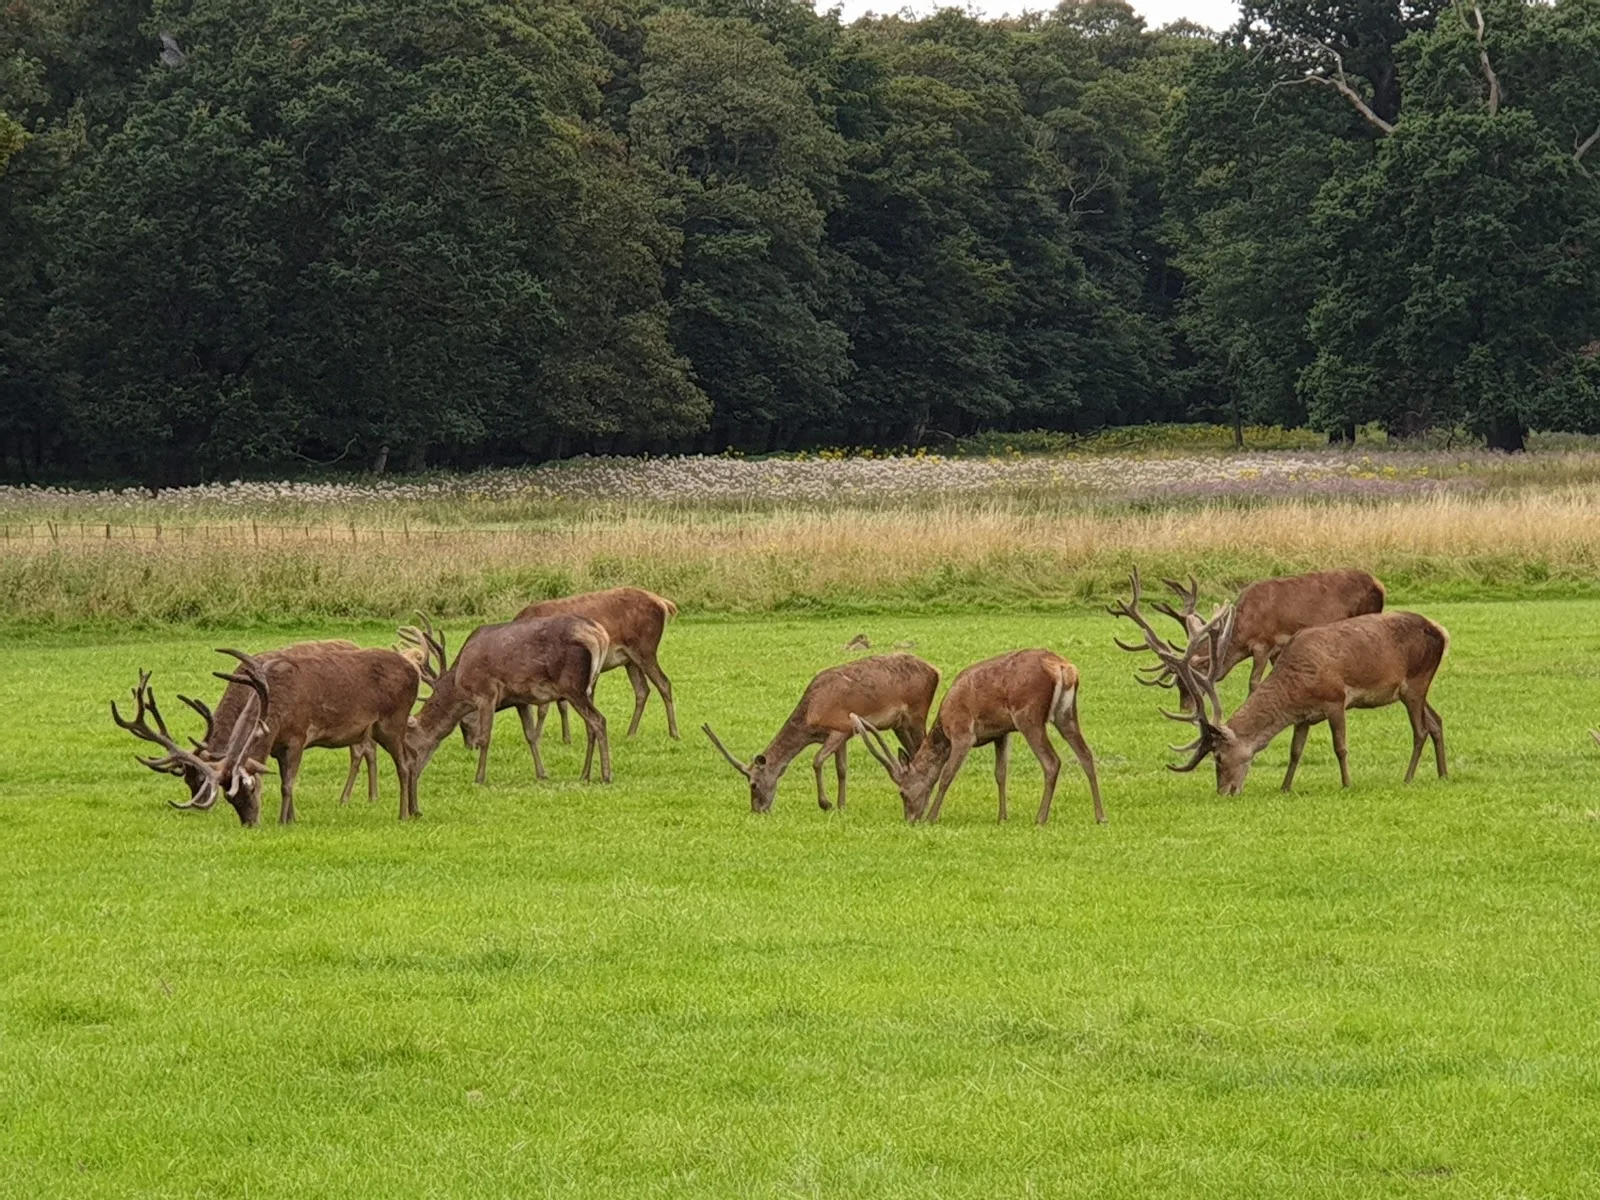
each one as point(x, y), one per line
point(248, 236)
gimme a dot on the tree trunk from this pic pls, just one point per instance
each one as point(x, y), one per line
point(382, 460)
point(1507, 432)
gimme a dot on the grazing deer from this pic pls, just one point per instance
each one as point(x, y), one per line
point(1021, 692)
point(321, 694)
point(517, 664)
point(634, 620)
point(1367, 661)
point(894, 690)
point(1270, 612)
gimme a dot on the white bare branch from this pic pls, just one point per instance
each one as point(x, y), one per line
point(1579, 149)
point(1340, 83)
point(1483, 59)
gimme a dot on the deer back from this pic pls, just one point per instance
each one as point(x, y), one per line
point(986, 698)
point(532, 661)
point(237, 695)
point(630, 616)
point(1361, 660)
point(1272, 610)
point(331, 694)
point(883, 689)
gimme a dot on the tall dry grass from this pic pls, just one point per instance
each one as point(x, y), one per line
point(947, 556)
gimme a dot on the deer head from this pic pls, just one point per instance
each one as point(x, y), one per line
point(761, 773)
point(914, 777)
point(234, 775)
point(1193, 672)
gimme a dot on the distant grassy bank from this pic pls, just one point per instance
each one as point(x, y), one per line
point(947, 555)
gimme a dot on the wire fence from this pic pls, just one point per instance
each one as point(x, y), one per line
point(241, 532)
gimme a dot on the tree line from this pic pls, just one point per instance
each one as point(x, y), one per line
point(245, 236)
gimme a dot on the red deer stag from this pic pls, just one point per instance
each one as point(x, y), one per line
point(1270, 612)
point(1021, 692)
point(894, 690)
point(634, 620)
point(1362, 662)
point(279, 704)
point(517, 664)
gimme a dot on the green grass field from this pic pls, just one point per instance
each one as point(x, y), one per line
point(642, 989)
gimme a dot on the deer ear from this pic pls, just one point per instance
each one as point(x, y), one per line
point(905, 759)
point(1219, 733)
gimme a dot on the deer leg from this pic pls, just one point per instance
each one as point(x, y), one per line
point(1002, 760)
point(1297, 746)
point(530, 731)
point(1336, 725)
point(486, 732)
point(595, 720)
point(959, 749)
point(830, 747)
point(395, 744)
point(370, 754)
point(641, 694)
point(841, 768)
point(1049, 761)
point(566, 732)
point(357, 757)
point(1258, 665)
point(1436, 730)
point(288, 768)
point(1069, 729)
point(654, 673)
point(1419, 732)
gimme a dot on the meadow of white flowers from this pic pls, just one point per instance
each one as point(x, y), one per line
point(702, 479)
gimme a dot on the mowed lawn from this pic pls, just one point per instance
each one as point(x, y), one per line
point(642, 989)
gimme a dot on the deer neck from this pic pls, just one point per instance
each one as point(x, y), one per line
point(439, 716)
point(1261, 717)
point(788, 742)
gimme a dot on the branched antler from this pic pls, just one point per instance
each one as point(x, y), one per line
point(177, 760)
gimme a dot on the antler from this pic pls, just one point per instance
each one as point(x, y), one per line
point(1201, 684)
point(251, 721)
point(877, 747)
point(1153, 640)
point(1190, 596)
point(145, 700)
point(177, 758)
point(736, 764)
point(1197, 685)
point(200, 707)
point(433, 646)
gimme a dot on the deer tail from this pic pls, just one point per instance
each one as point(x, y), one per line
point(1443, 635)
point(594, 638)
point(1065, 699)
point(417, 656)
point(668, 608)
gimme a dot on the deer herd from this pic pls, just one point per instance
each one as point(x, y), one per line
point(1330, 645)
